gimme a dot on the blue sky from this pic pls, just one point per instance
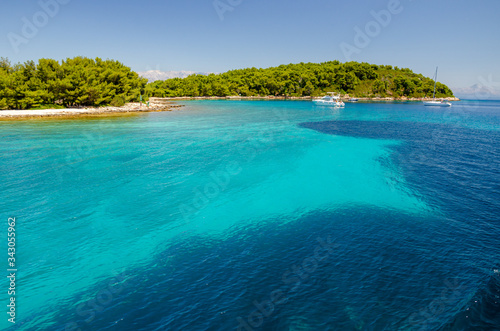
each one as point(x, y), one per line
point(461, 37)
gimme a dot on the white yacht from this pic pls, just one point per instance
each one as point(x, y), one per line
point(332, 99)
point(439, 102)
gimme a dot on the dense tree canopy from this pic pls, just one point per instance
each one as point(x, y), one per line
point(73, 82)
point(304, 79)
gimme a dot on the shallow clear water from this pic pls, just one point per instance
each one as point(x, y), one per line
point(272, 215)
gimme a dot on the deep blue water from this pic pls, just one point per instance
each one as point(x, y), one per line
point(250, 215)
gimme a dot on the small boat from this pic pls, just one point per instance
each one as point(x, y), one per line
point(439, 102)
point(353, 99)
point(332, 99)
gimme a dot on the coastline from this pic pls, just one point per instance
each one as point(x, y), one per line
point(162, 104)
point(271, 97)
point(128, 109)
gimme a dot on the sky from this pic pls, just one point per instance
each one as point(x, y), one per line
point(461, 37)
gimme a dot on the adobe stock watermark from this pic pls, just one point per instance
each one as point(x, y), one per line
point(203, 195)
point(88, 310)
point(84, 148)
point(456, 115)
point(292, 279)
point(448, 298)
point(487, 87)
point(31, 27)
point(219, 180)
point(372, 29)
point(223, 6)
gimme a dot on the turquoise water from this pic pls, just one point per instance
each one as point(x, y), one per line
point(192, 219)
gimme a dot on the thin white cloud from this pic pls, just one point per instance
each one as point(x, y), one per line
point(154, 75)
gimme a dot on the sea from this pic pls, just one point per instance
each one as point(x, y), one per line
point(254, 215)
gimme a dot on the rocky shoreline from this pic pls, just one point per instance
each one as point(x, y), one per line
point(127, 109)
point(162, 104)
point(344, 98)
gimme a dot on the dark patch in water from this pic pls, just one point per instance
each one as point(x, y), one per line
point(483, 310)
point(453, 166)
point(201, 284)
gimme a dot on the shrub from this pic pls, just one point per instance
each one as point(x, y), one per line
point(118, 101)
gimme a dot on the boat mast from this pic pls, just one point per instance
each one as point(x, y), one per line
point(435, 82)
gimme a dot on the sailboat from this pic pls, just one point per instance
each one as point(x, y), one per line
point(434, 102)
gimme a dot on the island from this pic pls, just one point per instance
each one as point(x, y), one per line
point(83, 86)
point(303, 80)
